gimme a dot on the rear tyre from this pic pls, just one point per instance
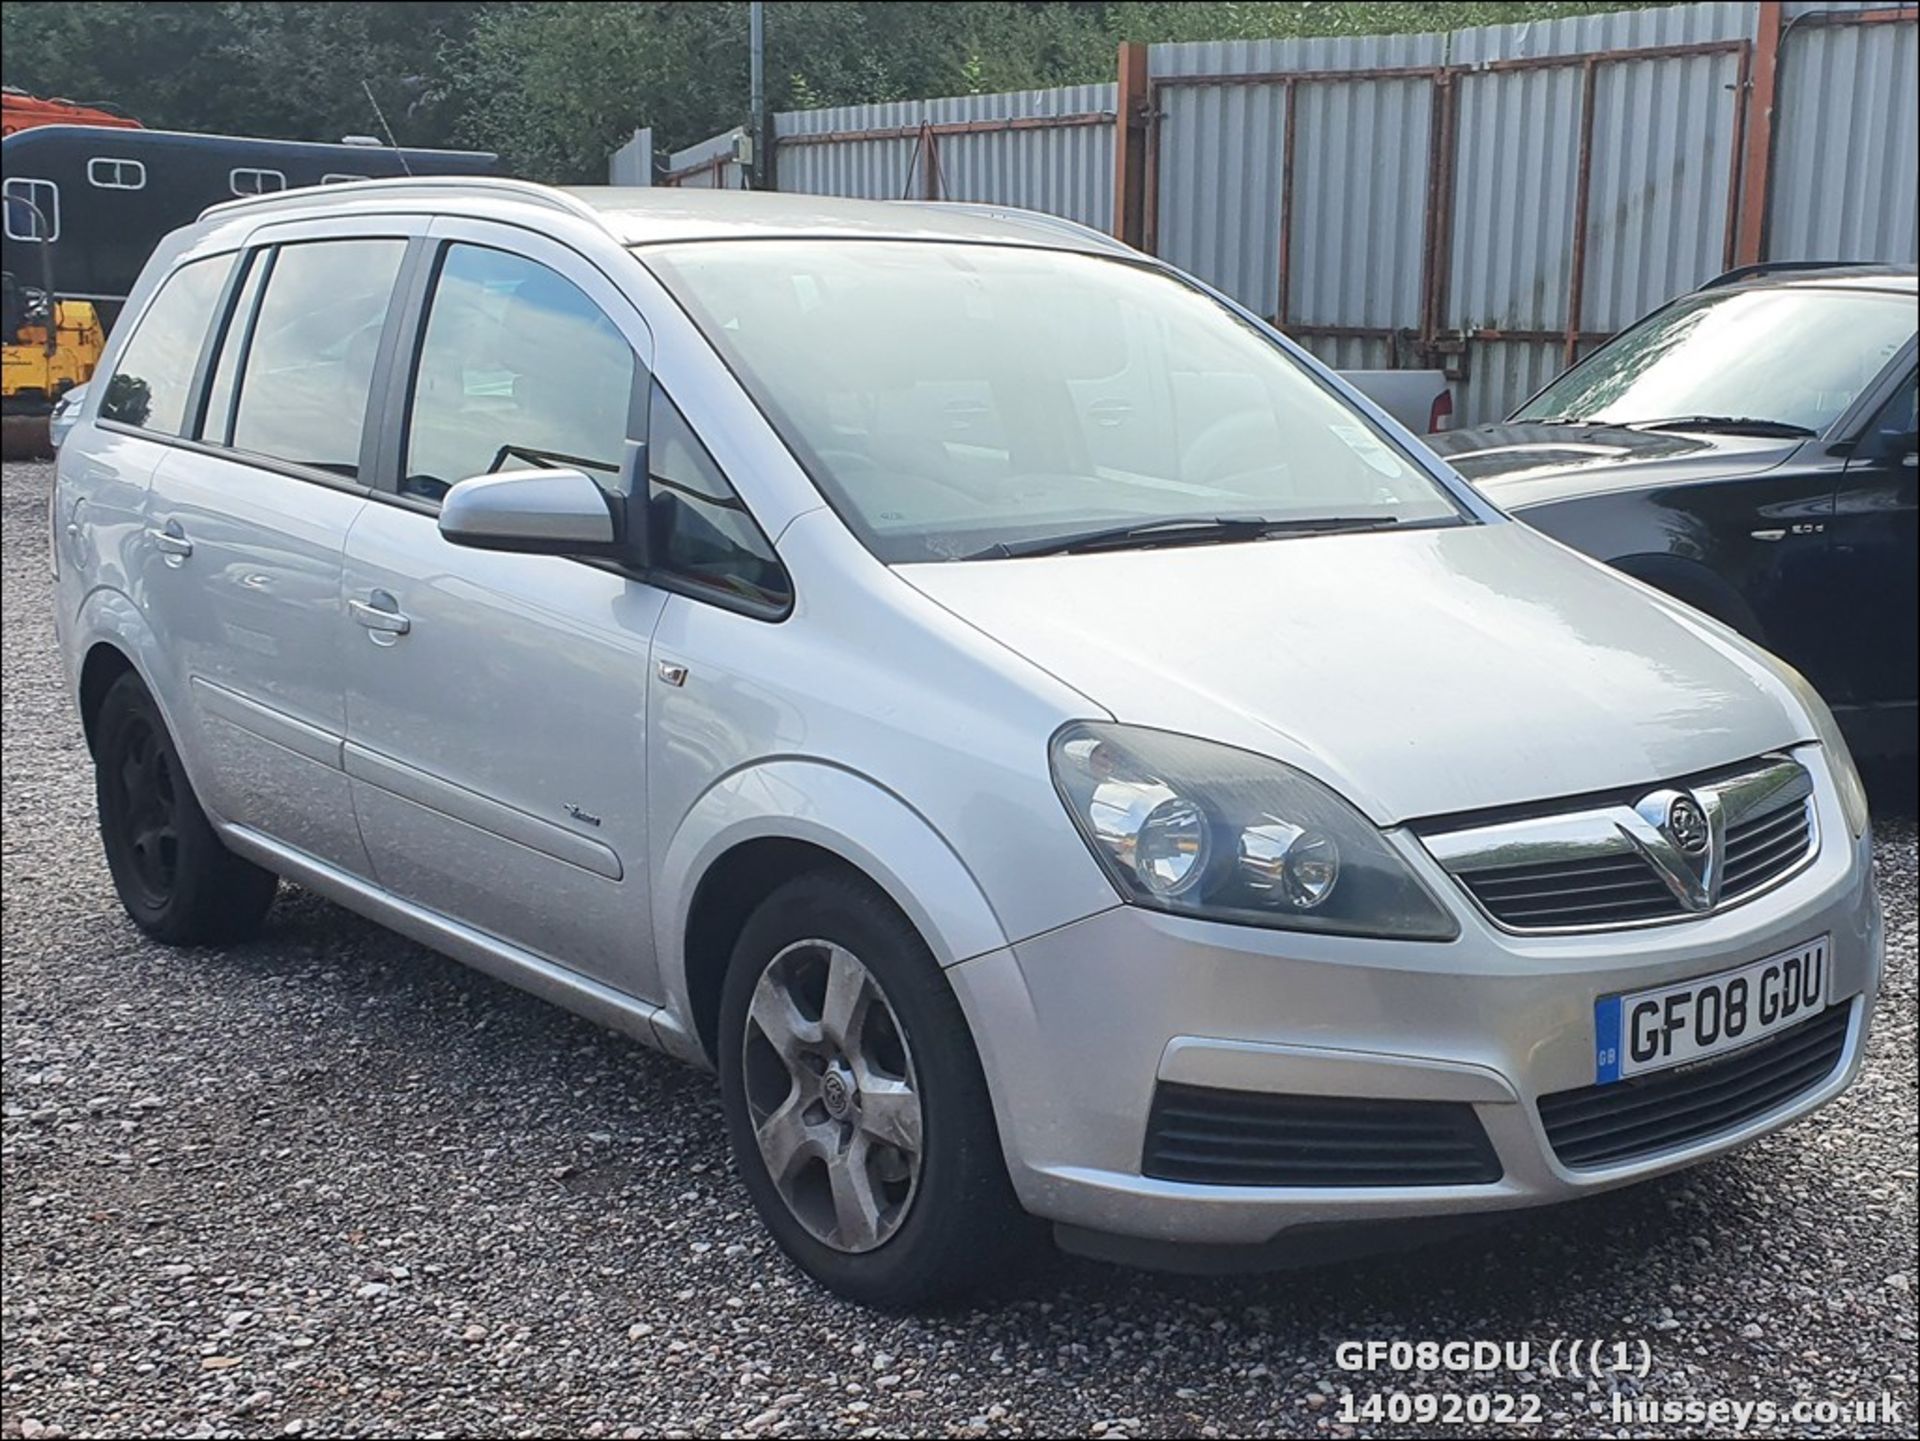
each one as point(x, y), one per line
point(178, 882)
point(855, 1102)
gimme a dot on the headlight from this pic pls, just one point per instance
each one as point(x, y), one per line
point(1846, 775)
point(1200, 829)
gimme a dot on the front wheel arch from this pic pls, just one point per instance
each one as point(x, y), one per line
point(1696, 585)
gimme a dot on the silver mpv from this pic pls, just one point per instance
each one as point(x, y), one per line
point(1058, 751)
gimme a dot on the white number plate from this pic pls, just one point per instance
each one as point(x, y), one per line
point(1651, 1030)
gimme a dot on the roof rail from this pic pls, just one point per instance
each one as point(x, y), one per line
point(1039, 219)
point(1789, 267)
point(400, 185)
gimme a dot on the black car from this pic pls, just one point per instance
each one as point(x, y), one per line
point(1748, 448)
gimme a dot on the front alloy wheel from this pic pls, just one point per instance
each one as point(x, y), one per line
point(831, 1091)
point(860, 1120)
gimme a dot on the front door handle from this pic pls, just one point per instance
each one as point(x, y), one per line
point(170, 540)
point(380, 613)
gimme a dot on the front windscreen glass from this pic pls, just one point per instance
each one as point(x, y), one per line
point(952, 399)
point(1793, 356)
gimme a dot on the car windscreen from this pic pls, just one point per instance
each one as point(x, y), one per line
point(953, 398)
point(1797, 355)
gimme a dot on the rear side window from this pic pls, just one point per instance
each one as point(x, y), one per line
point(109, 174)
point(517, 368)
point(701, 531)
point(302, 393)
point(150, 385)
point(247, 180)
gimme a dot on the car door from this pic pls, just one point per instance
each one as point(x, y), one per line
point(248, 524)
point(98, 511)
point(1875, 538)
point(497, 703)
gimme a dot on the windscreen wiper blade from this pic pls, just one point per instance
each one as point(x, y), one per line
point(1732, 424)
point(1191, 531)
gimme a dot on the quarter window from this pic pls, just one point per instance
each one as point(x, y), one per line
point(154, 376)
point(517, 368)
point(23, 198)
point(249, 181)
point(699, 527)
point(309, 364)
point(108, 174)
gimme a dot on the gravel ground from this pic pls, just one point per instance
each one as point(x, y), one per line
point(331, 1184)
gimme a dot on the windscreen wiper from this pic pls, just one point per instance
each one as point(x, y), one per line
point(1191, 531)
point(1731, 424)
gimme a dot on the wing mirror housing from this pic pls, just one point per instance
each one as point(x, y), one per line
point(538, 512)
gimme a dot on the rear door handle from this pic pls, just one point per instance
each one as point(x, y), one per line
point(170, 540)
point(380, 613)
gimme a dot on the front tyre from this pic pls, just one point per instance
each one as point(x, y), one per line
point(178, 882)
point(855, 1103)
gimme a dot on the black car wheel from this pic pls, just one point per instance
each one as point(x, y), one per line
point(176, 879)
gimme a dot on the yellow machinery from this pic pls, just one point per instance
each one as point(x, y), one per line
point(50, 347)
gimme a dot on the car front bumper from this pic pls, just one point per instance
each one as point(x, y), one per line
point(1078, 1027)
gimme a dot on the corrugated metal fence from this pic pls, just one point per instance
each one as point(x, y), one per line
point(1046, 150)
point(710, 165)
point(1494, 200)
point(632, 163)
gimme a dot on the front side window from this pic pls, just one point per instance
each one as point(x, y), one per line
point(517, 368)
point(955, 400)
point(154, 377)
point(700, 530)
point(1891, 433)
point(1794, 356)
point(33, 209)
point(303, 385)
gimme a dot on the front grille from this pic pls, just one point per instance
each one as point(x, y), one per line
point(1607, 891)
point(1587, 868)
point(1250, 1138)
point(1764, 847)
point(1601, 1125)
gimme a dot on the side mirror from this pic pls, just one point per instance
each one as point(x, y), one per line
point(536, 512)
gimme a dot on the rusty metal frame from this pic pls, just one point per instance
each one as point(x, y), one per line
point(717, 166)
point(949, 127)
point(1437, 224)
point(1582, 199)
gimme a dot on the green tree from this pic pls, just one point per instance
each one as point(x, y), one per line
point(292, 71)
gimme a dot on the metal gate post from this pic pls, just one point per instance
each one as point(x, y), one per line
point(1130, 146)
point(1285, 278)
point(1757, 162)
point(1582, 193)
point(1437, 242)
